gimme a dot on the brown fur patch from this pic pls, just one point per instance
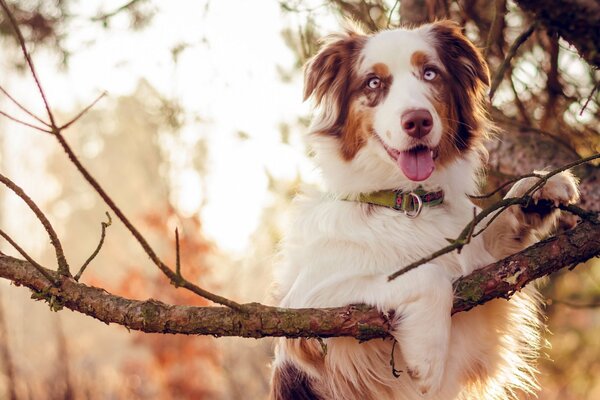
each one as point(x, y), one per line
point(356, 130)
point(331, 77)
point(290, 383)
point(381, 70)
point(460, 93)
point(418, 59)
point(308, 351)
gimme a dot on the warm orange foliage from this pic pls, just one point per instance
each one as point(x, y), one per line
point(176, 367)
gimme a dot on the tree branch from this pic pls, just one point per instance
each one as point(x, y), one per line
point(575, 20)
point(499, 280)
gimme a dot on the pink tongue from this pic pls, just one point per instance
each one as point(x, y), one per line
point(416, 165)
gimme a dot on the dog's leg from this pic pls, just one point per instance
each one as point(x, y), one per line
point(421, 300)
point(422, 324)
point(519, 227)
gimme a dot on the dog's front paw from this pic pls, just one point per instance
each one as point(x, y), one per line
point(559, 189)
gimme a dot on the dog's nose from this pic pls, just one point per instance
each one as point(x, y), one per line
point(417, 123)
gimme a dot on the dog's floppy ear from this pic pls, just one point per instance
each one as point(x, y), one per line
point(333, 63)
point(328, 75)
point(468, 78)
point(463, 61)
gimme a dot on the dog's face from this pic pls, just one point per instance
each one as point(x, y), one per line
point(398, 105)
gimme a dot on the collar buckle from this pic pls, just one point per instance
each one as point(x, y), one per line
point(417, 204)
point(410, 203)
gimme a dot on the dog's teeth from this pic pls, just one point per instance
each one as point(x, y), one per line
point(431, 153)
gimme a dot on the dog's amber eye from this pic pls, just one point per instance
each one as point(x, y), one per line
point(374, 83)
point(429, 74)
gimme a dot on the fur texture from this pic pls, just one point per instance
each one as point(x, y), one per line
point(340, 252)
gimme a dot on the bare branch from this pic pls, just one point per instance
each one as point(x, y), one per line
point(104, 225)
point(18, 121)
point(509, 56)
point(589, 98)
point(82, 112)
point(63, 266)
point(21, 40)
point(177, 255)
point(505, 184)
point(23, 108)
point(389, 21)
point(499, 280)
point(26, 256)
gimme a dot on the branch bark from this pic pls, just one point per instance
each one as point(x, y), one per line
point(499, 280)
point(576, 21)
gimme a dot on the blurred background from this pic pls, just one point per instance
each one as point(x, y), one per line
point(202, 130)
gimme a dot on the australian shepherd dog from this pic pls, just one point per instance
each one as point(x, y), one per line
point(398, 135)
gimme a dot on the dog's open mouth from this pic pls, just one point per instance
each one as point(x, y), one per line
point(417, 163)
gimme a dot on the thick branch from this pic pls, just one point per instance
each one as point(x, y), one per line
point(576, 21)
point(498, 280)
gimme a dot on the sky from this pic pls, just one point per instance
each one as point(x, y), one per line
point(227, 75)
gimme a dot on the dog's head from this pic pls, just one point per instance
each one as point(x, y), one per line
point(397, 107)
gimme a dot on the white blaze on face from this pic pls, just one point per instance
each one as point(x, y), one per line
point(408, 91)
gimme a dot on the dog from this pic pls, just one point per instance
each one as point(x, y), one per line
point(398, 136)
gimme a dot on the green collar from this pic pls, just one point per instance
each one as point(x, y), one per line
point(410, 202)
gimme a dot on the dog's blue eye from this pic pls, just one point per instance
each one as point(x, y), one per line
point(429, 74)
point(374, 83)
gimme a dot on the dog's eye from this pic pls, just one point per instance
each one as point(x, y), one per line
point(429, 74)
point(374, 83)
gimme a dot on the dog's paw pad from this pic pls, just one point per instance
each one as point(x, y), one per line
point(559, 189)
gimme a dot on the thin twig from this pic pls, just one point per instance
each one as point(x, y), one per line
point(509, 56)
point(31, 261)
point(565, 167)
point(470, 232)
point(21, 40)
point(580, 212)
point(392, 12)
point(18, 121)
point(63, 266)
point(505, 184)
point(589, 98)
point(177, 258)
point(23, 108)
point(82, 112)
point(95, 253)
